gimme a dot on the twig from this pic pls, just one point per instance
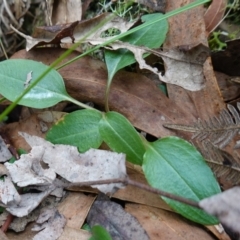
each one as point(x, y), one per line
point(127, 181)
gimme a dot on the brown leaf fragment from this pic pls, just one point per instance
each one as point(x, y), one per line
point(188, 28)
point(224, 166)
point(66, 11)
point(186, 64)
point(227, 61)
point(3, 236)
point(92, 165)
point(36, 124)
point(75, 31)
point(120, 224)
point(214, 14)
point(75, 208)
point(230, 88)
point(219, 130)
point(74, 234)
point(52, 222)
point(225, 206)
point(161, 224)
point(185, 69)
point(156, 5)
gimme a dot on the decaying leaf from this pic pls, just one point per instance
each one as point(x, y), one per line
point(214, 14)
point(8, 193)
point(224, 166)
point(65, 11)
point(28, 172)
point(52, 222)
point(182, 68)
point(163, 225)
point(227, 61)
point(220, 130)
point(110, 215)
point(128, 94)
point(76, 31)
point(4, 152)
point(225, 206)
point(28, 203)
point(92, 165)
point(156, 5)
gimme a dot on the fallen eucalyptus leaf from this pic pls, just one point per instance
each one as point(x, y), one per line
point(225, 206)
point(4, 152)
point(215, 14)
point(92, 165)
point(28, 203)
point(184, 69)
point(75, 31)
point(119, 223)
point(52, 222)
point(28, 170)
point(8, 194)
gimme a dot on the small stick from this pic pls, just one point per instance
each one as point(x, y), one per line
point(127, 181)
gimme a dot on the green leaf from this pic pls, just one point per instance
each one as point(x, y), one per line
point(121, 136)
point(13, 78)
point(174, 165)
point(151, 36)
point(79, 128)
point(100, 233)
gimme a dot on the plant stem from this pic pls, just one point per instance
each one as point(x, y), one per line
point(53, 65)
point(127, 181)
point(70, 99)
point(115, 38)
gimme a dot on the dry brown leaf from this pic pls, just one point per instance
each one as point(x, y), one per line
point(66, 11)
point(75, 208)
point(230, 90)
point(50, 224)
point(188, 29)
point(182, 68)
point(214, 14)
point(130, 193)
point(156, 5)
point(74, 234)
point(3, 236)
point(75, 31)
point(137, 195)
point(119, 223)
point(37, 124)
point(161, 224)
point(27, 234)
point(88, 166)
point(225, 206)
point(130, 95)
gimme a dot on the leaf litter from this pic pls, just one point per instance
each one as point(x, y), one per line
point(29, 172)
point(169, 4)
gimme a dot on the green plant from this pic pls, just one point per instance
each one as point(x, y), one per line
point(165, 162)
